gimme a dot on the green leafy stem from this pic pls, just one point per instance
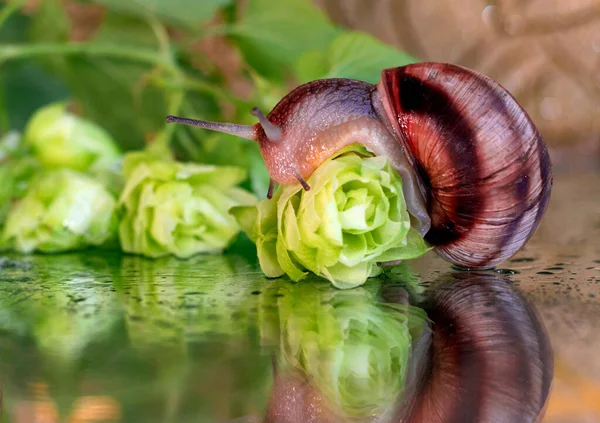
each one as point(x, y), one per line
point(179, 79)
point(165, 73)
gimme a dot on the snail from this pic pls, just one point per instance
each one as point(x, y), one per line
point(476, 172)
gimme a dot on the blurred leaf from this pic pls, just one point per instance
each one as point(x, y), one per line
point(312, 65)
point(105, 91)
point(28, 87)
point(354, 55)
point(228, 150)
point(272, 35)
point(259, 177)
point(24, 86)
point(116, 94)
point(267, 94)
point(14, 29)
point(188, 13)
point(50, 22)
point(117, 27)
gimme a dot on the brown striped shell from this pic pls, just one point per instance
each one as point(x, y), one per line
point(484, 166)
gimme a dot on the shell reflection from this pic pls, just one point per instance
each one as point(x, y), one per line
point(491, 357)
point(366, 355)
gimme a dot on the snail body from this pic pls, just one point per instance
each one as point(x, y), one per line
point(476, 173)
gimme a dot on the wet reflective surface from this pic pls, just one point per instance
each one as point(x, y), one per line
point(95, 337)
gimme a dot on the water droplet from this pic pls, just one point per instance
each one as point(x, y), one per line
point(487, 15)
point(467, 269)
point(507, 271)
point(522, 260)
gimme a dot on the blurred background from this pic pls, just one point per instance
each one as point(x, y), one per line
point(545, 52)
point(217, 58)
point(125, 64)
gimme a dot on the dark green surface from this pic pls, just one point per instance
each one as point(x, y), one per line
point(164, 338)
point(169, 340)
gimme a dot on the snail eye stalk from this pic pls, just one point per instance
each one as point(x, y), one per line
point(273, 132)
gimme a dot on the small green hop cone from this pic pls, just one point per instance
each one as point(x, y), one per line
point(58, 139)
point(181, 209)
point(62, 210)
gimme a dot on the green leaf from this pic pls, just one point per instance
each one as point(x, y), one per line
point(187, 13)
point(27, 87)
point(50, 22)
point(117, 27)
point(246, 217)
point(354, 55)
point(106, 89)
point(272, 35)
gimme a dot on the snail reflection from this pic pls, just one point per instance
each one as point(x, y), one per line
point(475, 351)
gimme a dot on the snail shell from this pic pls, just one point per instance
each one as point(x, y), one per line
point(485, 167)
point(476, 173)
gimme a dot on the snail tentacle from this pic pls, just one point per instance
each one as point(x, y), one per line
point(243, 131)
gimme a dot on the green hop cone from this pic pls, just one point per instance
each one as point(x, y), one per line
point(58, 138)
point(14, 179)
point(62, 210)
point(168, 207)
point(16, 171)
point(353, 217)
